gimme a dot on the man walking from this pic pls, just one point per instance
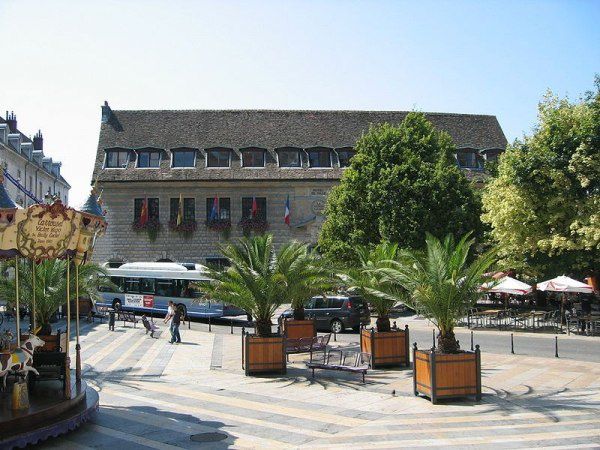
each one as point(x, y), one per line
point(175, 322)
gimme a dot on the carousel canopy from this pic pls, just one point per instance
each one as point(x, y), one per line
point(507, 285)
point(5, 201)
point(564, 284)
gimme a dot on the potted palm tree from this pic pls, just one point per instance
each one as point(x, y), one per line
point(255, 282)
point(306, 275)
point(50, 289)
point(388, 347)
point(442, 284)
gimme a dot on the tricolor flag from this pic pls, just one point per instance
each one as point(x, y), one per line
point(180, 211)
point(286, 215)
point(144, 212)
point(254, 210)
point(214, 212)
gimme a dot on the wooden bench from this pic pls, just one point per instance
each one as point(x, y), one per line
point(307, 344)
point(341, 360)
point(127, 316)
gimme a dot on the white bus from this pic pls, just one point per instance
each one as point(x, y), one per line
point(148, 287)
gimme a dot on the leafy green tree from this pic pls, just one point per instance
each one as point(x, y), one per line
point(260, 279)
point(366, 278)
point(441, 283)
point(51, 287)
point(544, 205)
point(402, 181)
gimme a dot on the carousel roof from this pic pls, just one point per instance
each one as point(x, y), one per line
point(5, 201)
point(91, 206)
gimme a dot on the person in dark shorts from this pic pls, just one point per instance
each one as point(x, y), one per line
point(175, 322)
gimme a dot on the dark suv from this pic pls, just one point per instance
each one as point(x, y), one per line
point(335, 313)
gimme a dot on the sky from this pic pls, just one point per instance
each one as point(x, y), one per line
point(60, 60)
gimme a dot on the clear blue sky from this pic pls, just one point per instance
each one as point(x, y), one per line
point(61, 59)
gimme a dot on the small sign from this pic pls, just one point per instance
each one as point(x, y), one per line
point(148, 301)
point(134, 300)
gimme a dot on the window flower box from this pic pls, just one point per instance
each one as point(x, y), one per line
point(218, 224)
point(152, 227)
point(186, 227)
point(257, 225)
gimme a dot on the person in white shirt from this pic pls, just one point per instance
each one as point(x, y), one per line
point(169, 316)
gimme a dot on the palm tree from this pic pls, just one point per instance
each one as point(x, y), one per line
point(368, 279)
point(51, 287)
point(305, 275)
point(441, 283)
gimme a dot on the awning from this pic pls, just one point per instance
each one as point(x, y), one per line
point(507, 285)
point(564, 284)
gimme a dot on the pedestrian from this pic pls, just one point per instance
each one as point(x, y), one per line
point(169, 316)
point(175, 322)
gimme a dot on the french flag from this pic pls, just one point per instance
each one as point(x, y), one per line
point(286, 216)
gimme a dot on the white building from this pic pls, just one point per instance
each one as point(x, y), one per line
point(30, 175)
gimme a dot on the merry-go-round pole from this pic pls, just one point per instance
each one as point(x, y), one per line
point(77, 346)
point(33, 309)
point(17, 314)
point(68, 359)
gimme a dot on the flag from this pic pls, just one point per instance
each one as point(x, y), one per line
point(180, 211)
point(144, 212)
point(286, 215)
point(214, 212)
point(254, 210)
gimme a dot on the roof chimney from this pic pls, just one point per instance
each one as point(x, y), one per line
point(38, 141)
point(106, 112)
point(11, 120)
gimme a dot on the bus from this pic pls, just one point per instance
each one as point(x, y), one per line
point(147, 287)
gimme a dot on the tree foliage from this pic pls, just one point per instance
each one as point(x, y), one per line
point(402, 181)
point(544, 205)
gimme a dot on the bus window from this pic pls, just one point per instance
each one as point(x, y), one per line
point(164, 288)
point(147, 286)
point(117, 281)
point(132, 285)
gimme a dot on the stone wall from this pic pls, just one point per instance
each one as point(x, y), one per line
point(121, 243)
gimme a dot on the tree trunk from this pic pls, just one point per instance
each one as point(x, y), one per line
point(263, 327)
point(447, 343)
point(383, 324)
point(45, 329)
point(299, 313)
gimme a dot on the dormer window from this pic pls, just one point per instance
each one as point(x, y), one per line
point(289, 157)
point(319, 157)
point(468, 159)
point(345, 155)
point(116, 159)
point(148, 159)
point(218, 157)
point(253, 157)
point(184, 158)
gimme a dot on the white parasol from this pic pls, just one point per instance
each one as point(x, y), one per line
point(564, 284)
point(507, 285)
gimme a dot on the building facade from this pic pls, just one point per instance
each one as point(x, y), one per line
point(203, 177)
point(30, 174)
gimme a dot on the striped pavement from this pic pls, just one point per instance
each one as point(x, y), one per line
point(156, 395)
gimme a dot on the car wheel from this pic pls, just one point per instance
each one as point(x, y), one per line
point(337, 326)
point(116, 305)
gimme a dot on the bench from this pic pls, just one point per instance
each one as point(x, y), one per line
point(307, 344)
point(341, 360)
point(51, 366)
point(127, 316)
point(100, 313)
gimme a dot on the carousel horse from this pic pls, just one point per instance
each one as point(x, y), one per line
point(21, 360)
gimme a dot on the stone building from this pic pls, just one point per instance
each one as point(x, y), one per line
point(237, 168)
point(30, 174)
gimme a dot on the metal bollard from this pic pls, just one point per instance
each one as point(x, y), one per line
point(556, 346)
point(334, 336)
point(472, 340)
point(209, 325)
point(512, 344)
point(231, 320)
point(433, 338)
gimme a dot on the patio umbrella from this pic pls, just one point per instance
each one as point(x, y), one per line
point(507, 285)
point(564, 284)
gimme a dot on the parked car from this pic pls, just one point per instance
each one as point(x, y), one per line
point(335, 313)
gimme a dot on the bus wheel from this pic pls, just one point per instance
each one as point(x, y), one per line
point(183, 310)
point(117, 304)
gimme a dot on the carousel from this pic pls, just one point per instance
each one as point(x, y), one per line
point(40, 394)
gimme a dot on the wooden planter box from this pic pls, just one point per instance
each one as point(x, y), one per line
point(296, 329)
point(263, 354)
point(387, 348)
point(447, 375)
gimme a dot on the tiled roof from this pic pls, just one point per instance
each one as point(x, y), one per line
point(269, 129)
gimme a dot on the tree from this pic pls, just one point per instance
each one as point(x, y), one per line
point(260, 279)
point(51, 287)
point(544, 205)
point(366, 278)
point(403, 180)
point(441, 283)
